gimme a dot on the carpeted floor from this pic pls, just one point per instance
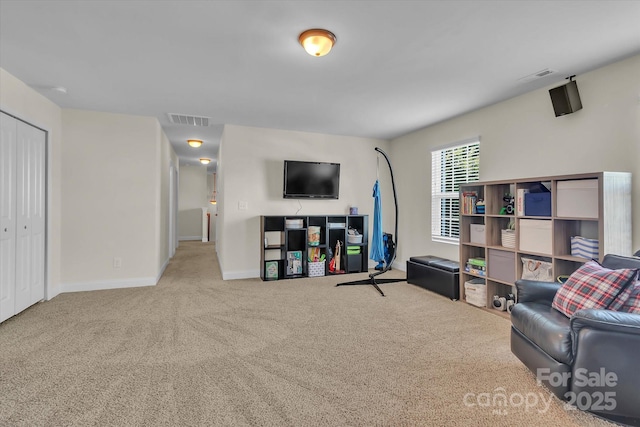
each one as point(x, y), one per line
point(198, 351)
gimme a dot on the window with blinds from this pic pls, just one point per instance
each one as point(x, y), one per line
point(451, 166)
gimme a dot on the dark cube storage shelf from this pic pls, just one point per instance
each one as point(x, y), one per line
point(332, 228)
point(436, 274)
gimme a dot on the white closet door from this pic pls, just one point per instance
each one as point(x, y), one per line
point(30, 233)
point(7, 215)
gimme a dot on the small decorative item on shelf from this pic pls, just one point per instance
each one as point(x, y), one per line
point(508, 208)
point(314, 235)
point(480, 207)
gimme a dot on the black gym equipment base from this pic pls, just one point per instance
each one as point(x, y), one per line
point(372, 277)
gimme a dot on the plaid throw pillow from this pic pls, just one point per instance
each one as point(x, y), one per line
point(592, 286)
point(632, 304)
point(621, 299)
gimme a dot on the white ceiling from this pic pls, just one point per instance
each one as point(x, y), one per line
point(397, 65)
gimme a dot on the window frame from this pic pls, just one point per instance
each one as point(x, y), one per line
point(446, 177)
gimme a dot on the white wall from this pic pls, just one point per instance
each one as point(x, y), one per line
point(193, 196)
point(250, 169)
point(110, 200)
point(212, 182)
point(19, 100)
point(521, 138)
point(167, 157)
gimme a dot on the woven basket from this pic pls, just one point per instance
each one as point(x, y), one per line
point(508, 238)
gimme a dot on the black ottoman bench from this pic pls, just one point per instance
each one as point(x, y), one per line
point(436, 274)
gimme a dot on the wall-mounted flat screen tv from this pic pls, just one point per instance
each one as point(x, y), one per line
point(311, 180)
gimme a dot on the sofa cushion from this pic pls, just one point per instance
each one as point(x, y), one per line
point(546, 327)
point(592, 286)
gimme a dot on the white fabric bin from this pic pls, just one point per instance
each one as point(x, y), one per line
point(475, 292)
point(536, 236)
point(577, 198)
point(477, 234)
point(501, 265)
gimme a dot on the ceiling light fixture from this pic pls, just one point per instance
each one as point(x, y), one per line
point(195, 143)
point(205, 161)
point(317, 42)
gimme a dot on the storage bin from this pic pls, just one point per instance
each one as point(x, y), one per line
point(584, 248)
point(577, 198)
point(475, 292)
point(537, 204)
point(354, 263)
point(508, 238)
point(501, 265)
point(293, 223)
point(536, 236)
point(316, 269)
point(357, 238)
point(476, 234)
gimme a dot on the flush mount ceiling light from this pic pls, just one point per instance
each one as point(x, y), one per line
point(317, 42)
point(195, 143)
point(205, 161)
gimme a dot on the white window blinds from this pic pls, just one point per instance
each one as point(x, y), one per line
point(450, 167)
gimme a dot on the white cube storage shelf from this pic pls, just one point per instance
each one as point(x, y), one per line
point(595, 205)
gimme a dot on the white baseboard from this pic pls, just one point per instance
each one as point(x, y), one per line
point(247, 274)
point(398, 265)
point(161, 272)
point(108, 284)
point(189, 238)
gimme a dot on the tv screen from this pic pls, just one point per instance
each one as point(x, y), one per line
point(311, 180)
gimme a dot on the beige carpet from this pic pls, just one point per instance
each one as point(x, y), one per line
point(198, 351)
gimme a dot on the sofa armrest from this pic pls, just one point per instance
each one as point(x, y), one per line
point(606, 320)
point(534, 291)
point(605, 348)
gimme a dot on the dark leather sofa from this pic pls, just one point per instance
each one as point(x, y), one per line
point(574, 357)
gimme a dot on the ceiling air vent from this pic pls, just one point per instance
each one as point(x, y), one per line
point(184, 119)
point(537, 75)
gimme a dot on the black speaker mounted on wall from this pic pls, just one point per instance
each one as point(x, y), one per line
point(566, 99)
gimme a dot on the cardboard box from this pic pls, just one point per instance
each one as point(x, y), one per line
point(536, 235)
point(577, 198)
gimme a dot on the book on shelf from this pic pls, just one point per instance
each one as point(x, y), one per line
point(473, 270)
point(520, 201)
point(294, 262)
point(480, 262)
point(469, 200)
